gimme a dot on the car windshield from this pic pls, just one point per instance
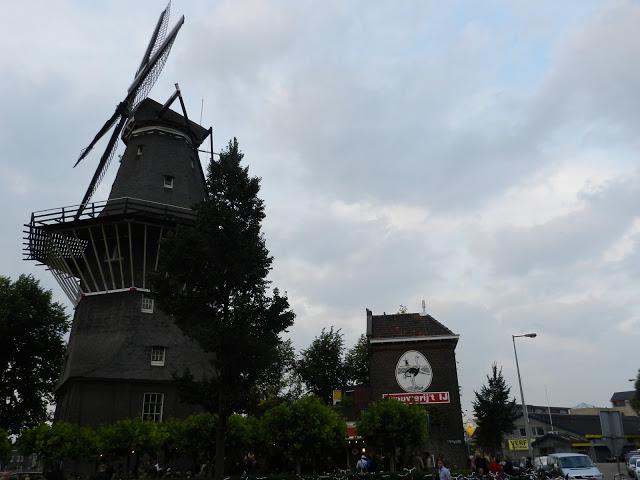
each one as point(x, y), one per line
point(576, 462)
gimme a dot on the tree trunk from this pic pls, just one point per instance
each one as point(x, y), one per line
point(220, 437)
point(392, 460)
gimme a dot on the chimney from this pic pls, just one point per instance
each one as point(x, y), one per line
point(369, 323)
point(423, 313)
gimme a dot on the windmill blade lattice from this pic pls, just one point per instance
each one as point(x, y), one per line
point(147, 84)
point(153, 61)
point(162, 32)
point(156, 38)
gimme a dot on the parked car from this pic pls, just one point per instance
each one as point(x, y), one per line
point(541, 467)
point(631, 465)
point(574, 465)
point(637, 469)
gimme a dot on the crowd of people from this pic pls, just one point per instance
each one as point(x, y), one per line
point(483, 465)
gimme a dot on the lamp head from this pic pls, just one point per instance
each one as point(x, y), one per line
point(531, 335)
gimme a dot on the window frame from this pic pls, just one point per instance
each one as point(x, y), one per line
point(147, 309)
point(149, 414)
point(158, 360)
point(168, 182)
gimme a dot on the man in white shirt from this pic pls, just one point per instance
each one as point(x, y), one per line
point(444, 472)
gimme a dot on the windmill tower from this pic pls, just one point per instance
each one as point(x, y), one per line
point(122, 349)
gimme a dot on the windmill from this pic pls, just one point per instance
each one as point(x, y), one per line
point(123, 348)
point(153, 60)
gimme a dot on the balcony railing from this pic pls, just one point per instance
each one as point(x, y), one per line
point(109, 246)
point(114, 206)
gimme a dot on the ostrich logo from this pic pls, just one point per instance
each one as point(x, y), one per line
point(413, 372)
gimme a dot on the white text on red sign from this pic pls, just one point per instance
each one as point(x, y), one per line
point(422, 398)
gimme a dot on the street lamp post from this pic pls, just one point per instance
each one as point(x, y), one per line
point(527, 429)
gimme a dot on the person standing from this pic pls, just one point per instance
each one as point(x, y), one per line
point(443, 471)
point(363, 465)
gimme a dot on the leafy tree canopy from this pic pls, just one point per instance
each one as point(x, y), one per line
point(58, 441)
point(278, 378)
point(357, 362)
point(321, 366)
point(305, 427)
point(388, 424)
point(5, 446)
point(494, 412)
point(635, 401)
point(32, 351)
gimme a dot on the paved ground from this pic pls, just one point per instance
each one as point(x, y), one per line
point(610, 469)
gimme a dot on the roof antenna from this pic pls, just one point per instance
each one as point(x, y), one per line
point(424, 309)
point(549, 409)
point(201, 108)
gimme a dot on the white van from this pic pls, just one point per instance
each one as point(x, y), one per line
point(574, 465)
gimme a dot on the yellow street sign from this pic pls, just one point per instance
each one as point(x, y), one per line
point(470, 428)
point(522, 444)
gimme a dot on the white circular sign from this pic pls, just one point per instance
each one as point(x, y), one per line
point(413, 372)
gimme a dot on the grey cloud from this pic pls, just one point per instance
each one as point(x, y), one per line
point(581, 235)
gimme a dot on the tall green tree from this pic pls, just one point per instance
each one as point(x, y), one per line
point(357, 362)
point(635, 401)
point(32, 351)
point(5, 447)
point(213, 279)
point(321, 366)
point(389, 425)
point(277, 378)
point(494, 412)
point(304, 430)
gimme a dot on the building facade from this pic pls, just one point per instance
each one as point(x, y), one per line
point(566, 432)
point(412, 358)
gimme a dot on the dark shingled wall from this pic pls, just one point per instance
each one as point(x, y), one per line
point(101, 401)
point(112, 338)
point(142, 176)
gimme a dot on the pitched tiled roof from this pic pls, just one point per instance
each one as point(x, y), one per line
point(406, 325)
point(619, 396)
point(567, 437)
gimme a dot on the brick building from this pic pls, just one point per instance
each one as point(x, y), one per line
point(412, 358)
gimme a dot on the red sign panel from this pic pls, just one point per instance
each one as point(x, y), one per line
point(421, 398)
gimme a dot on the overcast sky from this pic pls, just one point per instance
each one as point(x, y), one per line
point(482, 156)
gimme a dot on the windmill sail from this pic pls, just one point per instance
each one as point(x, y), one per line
point(156, 38)
point(152, 63)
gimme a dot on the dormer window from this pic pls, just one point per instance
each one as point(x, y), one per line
point(157, 356)
point(168, 181)
point(147, 304)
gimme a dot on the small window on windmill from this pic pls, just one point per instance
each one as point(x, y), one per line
point(139, 152)
point(168, 181)
point(147, 304)
point(193, 163)
point(157, 356)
